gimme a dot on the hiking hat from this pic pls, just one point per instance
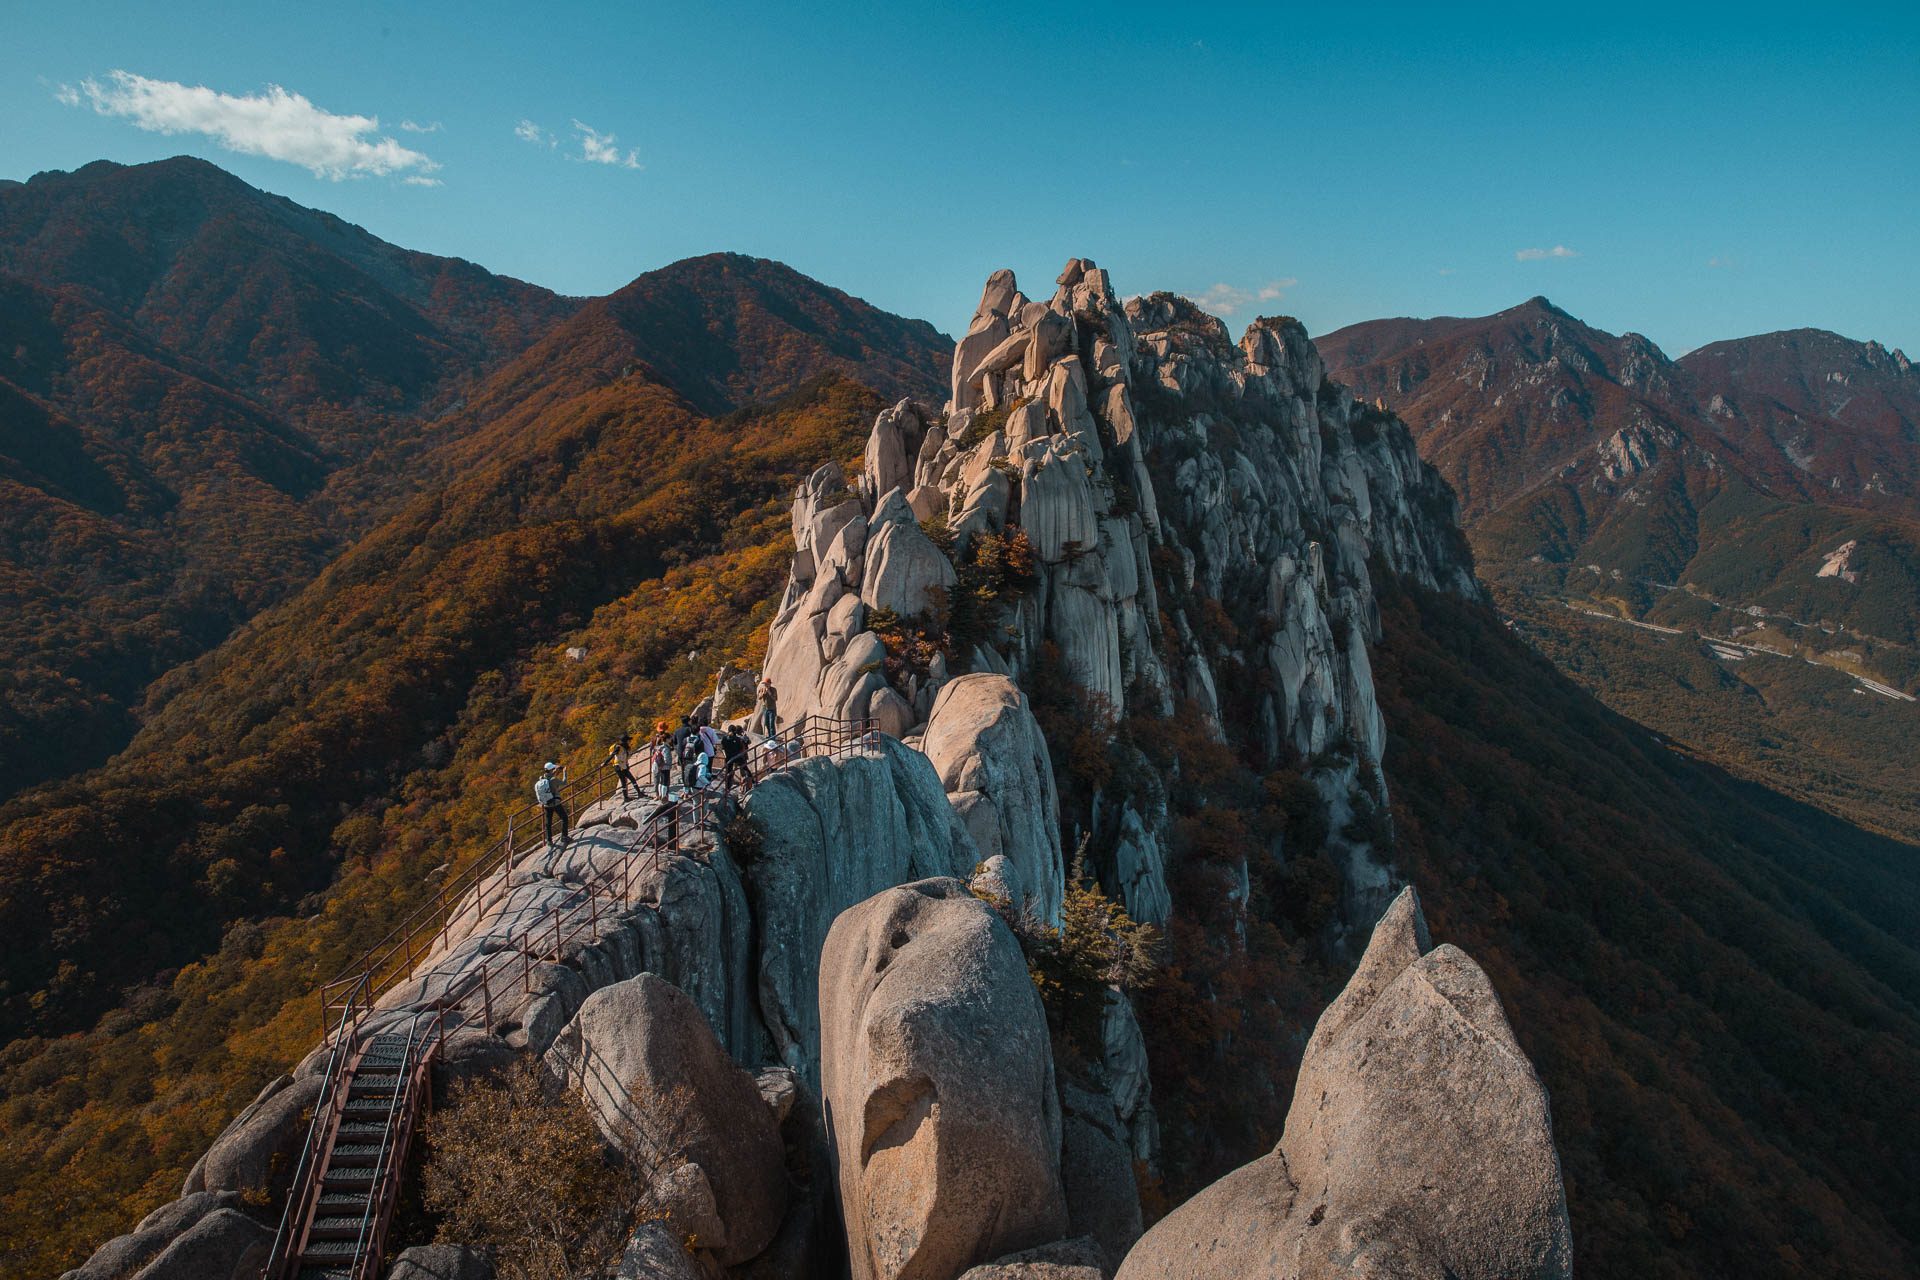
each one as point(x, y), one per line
point(551, 766)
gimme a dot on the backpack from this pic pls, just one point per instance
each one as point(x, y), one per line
point(690, 749)
point(663, 758)
point(543, 791)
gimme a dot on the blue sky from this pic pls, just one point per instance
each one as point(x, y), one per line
point(1703, 171)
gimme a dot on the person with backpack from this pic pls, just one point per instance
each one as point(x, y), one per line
point(546, 794)
point(691, 749)
point(661, 759)
point(734, 743)
point(618, 755)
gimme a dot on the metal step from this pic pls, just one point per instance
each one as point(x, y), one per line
point(349, 1179)
point(342, 1226)
point(324, 1271)
point(339, 1202)
point(347, 1154)
point(329, 1251)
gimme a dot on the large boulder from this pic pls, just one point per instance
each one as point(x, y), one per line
point(832, 834)
point(1077, 1259)
point(224, 1245)
point(903, 567)
point(892, 449)
point(654, 1254)
point(258, 1150)
point(442, 1262)
point(124, 1255)
point(659, 1085)
point(1419, 1143)
point(939, 1085)
point(993, 761)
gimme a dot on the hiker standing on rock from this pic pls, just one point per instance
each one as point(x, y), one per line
point(766, 708)
point(618, 755)
point(690, 749)
point(546, 794)
point(709, 750)
point(734, 743)
point(660, 757)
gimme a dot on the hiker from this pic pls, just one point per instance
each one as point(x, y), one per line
point(618, 756)
point(546, 793)
point(681, 734)
point(662, 760)
point(690, 749)
point(766, 703)
point(734, 743)
point(709, 749)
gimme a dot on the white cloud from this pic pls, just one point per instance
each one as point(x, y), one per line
point(411, 127)
point(276, 124)
point(418, 181)
point(1535, 255)
point(1225, 299)
point(601, 148)
point(528, 131)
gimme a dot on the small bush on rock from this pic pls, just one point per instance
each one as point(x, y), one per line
point(1097, 946)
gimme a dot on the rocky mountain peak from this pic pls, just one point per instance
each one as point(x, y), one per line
point(1147, 474)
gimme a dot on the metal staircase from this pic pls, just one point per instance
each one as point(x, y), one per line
point(349, 1177)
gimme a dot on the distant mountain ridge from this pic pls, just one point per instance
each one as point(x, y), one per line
point(1504, 402)
point(1741, 469)
point(1762, 494)
point(207, 390)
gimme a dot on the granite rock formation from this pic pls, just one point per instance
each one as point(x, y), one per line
point(940, 1090)
point(1158, 472)
point(1419, 1142)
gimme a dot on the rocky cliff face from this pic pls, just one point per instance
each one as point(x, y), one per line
point(1125, 492)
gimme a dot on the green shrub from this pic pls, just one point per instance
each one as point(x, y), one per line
point(1096, 947)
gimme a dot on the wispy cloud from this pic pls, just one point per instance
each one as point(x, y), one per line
point(276, 124)
point(1535, 255)
point(1225, 299)
point(528, 131)
point(417, 181)
point(1447, 271)
point(1721, 260)
point(602, 148)
point(411, 127)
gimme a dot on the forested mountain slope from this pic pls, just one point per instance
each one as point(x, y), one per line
point(205, 390)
